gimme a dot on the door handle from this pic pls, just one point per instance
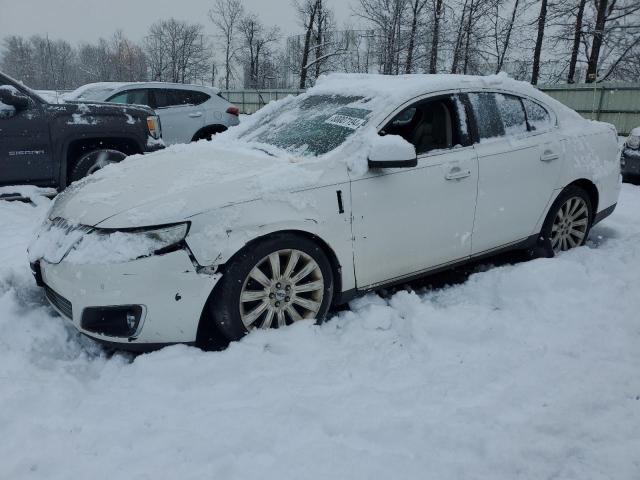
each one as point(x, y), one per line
point(456, 173)
point(195, 114)
point(549, 156)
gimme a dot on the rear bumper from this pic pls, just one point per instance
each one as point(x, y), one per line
point(169, 290)
point(630, 162)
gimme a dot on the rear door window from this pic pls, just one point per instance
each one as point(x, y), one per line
point(512, 114)
point(487, 115)
point(163, 98)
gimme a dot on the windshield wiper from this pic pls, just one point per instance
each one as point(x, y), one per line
point(264, 150)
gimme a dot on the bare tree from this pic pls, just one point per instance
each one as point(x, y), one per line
point(438, 10)
point(542, 19)
point(307, 12)
point(178, 51)
point(577, 34)
point(386, 17)
point(256, 42)
point(610, 32)
point(226, 15)
point(416, 7)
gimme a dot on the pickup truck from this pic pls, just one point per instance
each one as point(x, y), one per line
point(53, 144)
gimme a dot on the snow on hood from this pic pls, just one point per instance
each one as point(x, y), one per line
point(179, 182)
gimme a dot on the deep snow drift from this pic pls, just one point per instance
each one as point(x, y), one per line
point(523, 371)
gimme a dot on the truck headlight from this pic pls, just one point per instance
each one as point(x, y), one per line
point(115, 246)
point(153, 124)
point(633, 141)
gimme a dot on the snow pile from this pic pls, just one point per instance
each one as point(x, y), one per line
point(523, 371)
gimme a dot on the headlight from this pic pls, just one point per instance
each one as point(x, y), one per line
point(633, 141)
point(153, 124)
point(115, 246)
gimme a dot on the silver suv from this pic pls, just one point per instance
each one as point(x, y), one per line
point(187, 112)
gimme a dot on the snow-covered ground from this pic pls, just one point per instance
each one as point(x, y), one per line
point(526, 371)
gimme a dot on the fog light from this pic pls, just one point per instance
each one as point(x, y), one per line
point(116, 321)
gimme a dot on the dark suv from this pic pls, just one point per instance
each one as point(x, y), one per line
point(52, 145)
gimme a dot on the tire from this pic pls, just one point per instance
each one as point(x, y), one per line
point(93, 161)
point(250, 296)
point(568, 222)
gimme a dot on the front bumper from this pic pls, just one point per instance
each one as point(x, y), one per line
point(630, 162)
point(168, 287)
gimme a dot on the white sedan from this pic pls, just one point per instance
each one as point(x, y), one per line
point(187, 112)
point(364, 181)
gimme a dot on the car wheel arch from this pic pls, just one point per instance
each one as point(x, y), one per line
point(322, 244)
point(591, 189)
point(204, 331)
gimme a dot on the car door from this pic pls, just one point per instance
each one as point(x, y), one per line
point(409, 220)
point(518, 171)
point(25, 145)
point(179, 117)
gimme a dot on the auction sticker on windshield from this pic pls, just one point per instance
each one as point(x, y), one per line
point(345, 121)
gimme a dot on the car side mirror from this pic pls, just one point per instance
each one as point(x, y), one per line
point(392, 151)
point(13, 98)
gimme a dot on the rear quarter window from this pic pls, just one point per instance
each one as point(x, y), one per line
point(537, 116)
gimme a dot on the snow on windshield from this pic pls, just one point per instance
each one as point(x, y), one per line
point(97, 93)
point(312, 125)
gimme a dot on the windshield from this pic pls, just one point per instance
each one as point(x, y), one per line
point(97, 93)
point(312, 125)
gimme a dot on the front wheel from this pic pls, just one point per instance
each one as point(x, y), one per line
point(568, 222)
point(272, 284)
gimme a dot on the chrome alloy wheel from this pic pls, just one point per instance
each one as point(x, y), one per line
point(570, 226)
point(282, 288)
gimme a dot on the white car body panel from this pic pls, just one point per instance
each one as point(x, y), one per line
point(393, 224)
point(514, 187)
point(388, 202)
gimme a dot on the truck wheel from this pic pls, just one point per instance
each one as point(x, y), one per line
point(272, 284)
point(93, 161)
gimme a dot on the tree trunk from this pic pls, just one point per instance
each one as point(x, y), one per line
point(601, 19)
point(542, 19)
point(412, 37)
point(468, 40)
point(459, 39)
point(307, 46)
point(319, 37)
point(508, 36)
point(577, 33)
point(433, 61)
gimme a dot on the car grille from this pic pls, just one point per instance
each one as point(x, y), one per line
point(59, 302)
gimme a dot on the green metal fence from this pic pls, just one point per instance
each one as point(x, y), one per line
point(618, 104)
point(250, 101)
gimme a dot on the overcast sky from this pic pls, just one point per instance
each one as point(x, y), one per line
point(87, 20)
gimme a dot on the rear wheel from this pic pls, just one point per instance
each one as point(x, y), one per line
point(568, 222)
point(93, 161)
point(272, 284)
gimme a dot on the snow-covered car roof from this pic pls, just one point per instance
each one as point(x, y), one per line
point(397, 89)
point(107, 88)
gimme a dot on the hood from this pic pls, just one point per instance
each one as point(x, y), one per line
point(100, 108)
point(179, 182)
